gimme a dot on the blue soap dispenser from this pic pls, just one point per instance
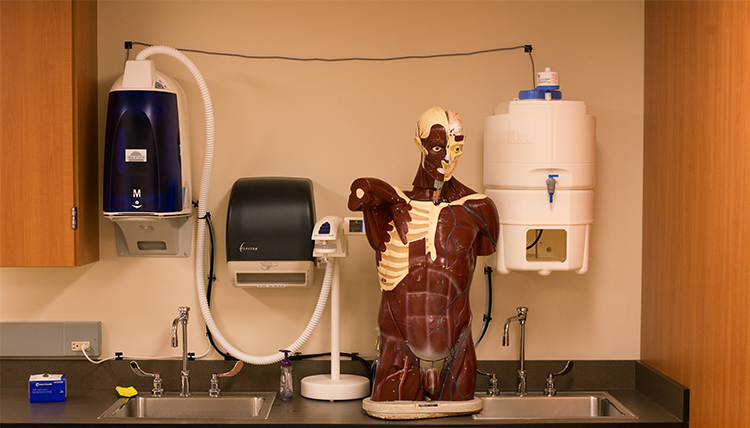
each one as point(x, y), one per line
point(286, 388)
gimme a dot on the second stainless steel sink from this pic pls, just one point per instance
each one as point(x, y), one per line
point(565, 405)
point(251, 405)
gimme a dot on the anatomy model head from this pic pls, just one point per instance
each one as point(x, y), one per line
point(439, 136)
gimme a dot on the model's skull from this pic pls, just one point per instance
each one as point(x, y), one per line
point(439, 136)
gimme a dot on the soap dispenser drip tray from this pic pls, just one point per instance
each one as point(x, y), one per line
point(153, 236)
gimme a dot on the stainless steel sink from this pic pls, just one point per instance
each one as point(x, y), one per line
point(251, 405)
point(565, 405)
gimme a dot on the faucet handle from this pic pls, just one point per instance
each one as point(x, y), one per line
point(549, 388)
point(158, 391)
point(236, 369)
point(137, 370)
point(568, 367)
point(215, 391)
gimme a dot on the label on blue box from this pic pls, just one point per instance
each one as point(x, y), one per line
point(47, 387)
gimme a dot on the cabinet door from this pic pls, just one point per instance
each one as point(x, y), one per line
point(48, 161)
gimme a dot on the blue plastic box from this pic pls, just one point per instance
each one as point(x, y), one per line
point(47, 388)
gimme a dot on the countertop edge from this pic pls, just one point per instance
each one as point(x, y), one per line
point(657, 400)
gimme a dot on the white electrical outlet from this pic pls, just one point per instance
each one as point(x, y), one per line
point(76, 346)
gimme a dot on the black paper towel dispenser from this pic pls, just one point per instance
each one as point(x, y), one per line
point(268, 235)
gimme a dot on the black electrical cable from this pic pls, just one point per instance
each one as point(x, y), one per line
point(211, 257)
point(488, 307)
point(526, 48)
point(488, 313)
point(209, 284)
point(538, 235)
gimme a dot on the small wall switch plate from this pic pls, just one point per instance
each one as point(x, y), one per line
point(354, 226)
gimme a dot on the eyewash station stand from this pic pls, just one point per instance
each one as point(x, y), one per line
point(330, 244)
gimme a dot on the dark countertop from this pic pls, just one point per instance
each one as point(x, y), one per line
point(658, 401)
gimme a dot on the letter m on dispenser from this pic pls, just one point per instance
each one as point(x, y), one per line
point(136, 193)
point(521, 131)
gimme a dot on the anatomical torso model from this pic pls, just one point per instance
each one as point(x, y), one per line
point(427, 241)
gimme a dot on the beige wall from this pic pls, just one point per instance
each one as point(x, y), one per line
point(334, 122)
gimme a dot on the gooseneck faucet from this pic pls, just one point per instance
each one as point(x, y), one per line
point(521, 318)
point(185, 374)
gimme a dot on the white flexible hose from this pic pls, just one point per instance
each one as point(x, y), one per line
point(201, 228)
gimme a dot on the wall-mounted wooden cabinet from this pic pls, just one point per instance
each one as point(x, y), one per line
point(695, 324)
point(48, 133)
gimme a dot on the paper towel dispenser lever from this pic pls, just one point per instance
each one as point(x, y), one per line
point(269, 226)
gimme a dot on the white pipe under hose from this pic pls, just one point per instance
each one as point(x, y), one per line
point(200, 243)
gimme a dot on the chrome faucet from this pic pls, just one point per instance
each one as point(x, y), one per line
point(521, 318)
point(184, 374)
